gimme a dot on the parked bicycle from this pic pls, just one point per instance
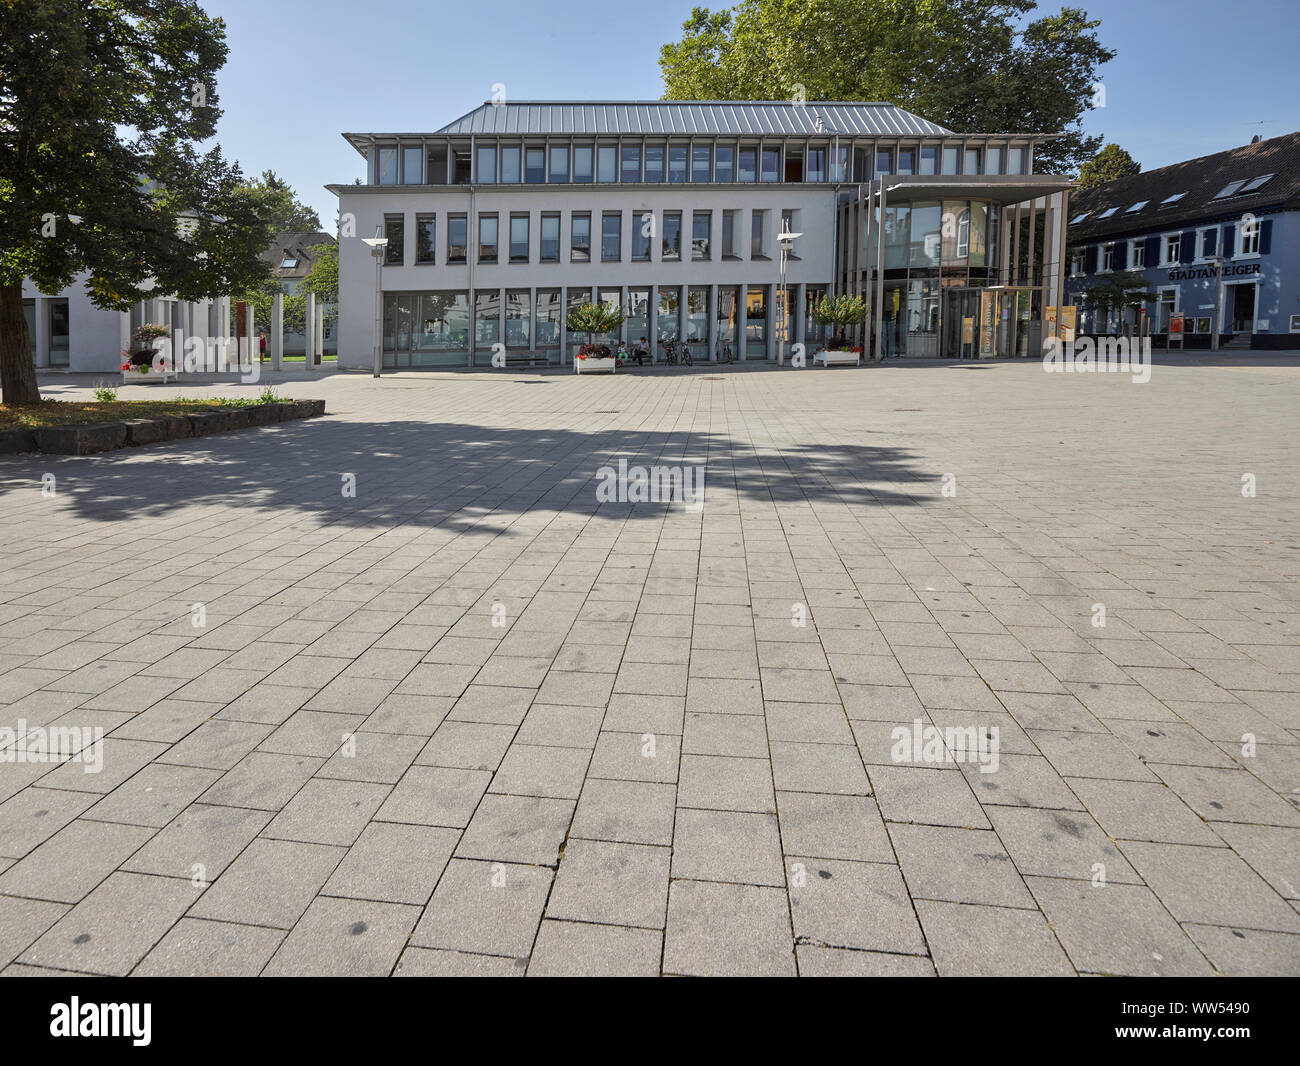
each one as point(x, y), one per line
point(677, 353)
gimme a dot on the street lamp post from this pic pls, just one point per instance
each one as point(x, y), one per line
point(786, 241)
point(1218, 301)
point(377, 246)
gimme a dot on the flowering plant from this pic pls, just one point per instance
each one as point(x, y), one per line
point(594, 351)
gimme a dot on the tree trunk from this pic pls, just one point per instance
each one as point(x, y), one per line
point(17, 370)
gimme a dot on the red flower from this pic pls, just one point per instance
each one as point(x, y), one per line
point(126, 366)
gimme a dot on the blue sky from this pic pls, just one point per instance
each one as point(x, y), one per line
point(1186, 81)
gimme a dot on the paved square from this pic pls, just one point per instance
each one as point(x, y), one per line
point(959, 669)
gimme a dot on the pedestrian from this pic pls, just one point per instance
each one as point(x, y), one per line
point(261, 345)
point(640, 353)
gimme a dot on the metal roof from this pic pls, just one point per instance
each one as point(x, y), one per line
point(716, 117)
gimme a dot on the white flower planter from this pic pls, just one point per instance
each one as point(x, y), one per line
point(581, 366)
point(134, 377)
point(827, 358)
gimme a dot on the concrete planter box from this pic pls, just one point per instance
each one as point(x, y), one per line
point(104, 436)
point(838, 358)
point(588, 365)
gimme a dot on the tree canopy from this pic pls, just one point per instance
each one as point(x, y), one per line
point(974, 66)
point(1111, 163)
point(103, 109)
point(287, 213)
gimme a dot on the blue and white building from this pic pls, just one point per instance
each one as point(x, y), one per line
point(1217, 238)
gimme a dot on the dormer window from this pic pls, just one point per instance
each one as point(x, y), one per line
point(1107, 213)
point(1078, 218)
point(1256, 183)
point(1137, 207)
point(1170, 201)
point(288, 263)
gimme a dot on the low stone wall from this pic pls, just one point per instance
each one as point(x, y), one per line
point(91, 437)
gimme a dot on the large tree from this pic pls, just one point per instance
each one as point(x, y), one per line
point(288, 213)
point(103, 108)
point(975, 66)
point(1110, 164)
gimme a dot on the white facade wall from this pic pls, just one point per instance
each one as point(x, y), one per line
point(812, 262)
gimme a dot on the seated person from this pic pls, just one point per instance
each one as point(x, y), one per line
point(641, 353)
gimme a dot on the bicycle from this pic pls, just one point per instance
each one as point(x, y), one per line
point(677, 353)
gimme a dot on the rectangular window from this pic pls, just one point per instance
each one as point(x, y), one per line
point(638, 318)
point(971, 164)
point(1173, 248)
point(1107, 257)
point(547, 334)
point(758, 226)
point(460, 166)
point(582, 164)
point(993, 161)
point(457, 238)
point(1137, 254)
point(949, 159)
point(725, 164)
point(487, 318)
point(560, 164)
point(487, 166)
point(510, 173)
point(701, 231)
point(840, 164)
point(550, 238)
point(756, 322)
point(631, 163)
point(642, 227)
point(654, 162)
point(437, 165)
point(672, 236)
point(426, 238)
point(787, 225)
point(929, 154)
point(412, 166)
point(907, 160)
point(701, 162)
point(535, 166)
point(730, 234)
point(487, 238)
point(387, 166)
point(606, 162)
point(748, 164)
point(771, 164)
point(669, 322)
point(816, 170)
point(611, 236)
point(1250, 237)
point(518, 318)
point(518, 238)
point(676, 163)
point(394, 230)
point(884, 161)
point(580, 241)
point(1015, 160)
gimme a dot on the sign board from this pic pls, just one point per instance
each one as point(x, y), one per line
point(1069, 322)
point(1175, 324)
point(988, 317)
point(968, 330)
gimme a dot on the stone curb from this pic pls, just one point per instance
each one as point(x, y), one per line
point(89, 438)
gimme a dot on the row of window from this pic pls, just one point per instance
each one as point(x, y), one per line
point(636, 162)
point(1242, 187)
point(1170, 249)
point(515, 229)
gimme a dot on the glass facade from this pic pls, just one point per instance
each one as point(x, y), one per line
point(425, 329)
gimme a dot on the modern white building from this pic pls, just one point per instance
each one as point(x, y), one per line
point(70, 333)
point(500, 221)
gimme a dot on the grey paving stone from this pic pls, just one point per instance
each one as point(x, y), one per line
point(199, 843)
point(328, 812)
point(393, 863)
point(611, 884)
point(925, 796)
point(469, 745)
point(724, 696)
point(1248, 952)
point(36, 814)
point(262, 780)
point(154, 796)
point(819, 768)
point(380, 758)
point(1210, 885)
point(816, 961)
point(633, 757)
point(429, 795)
point(110, 930)
point(166, 721)
point(416, 715)
point(198, 948)
point(832, 827)
point(727, 930)
point(580, 949)
point(271, 883)
point(725, 734)
point(535, 770)
point(121, 759)
point(566, 727)
point(517, 829)
point(1076, 754)
point(977, 941)
point(73, 861)
point(22, 921)
point(1141, 810)
point(267, 704)
point(344, 938)
point(487, 908)
point(435, 962)
point(1059, 844)
point(854, 905)
point(217, 744)
point(316, 733)
point(1119, 929)
point(958, 866)
point(632, 812)
point(714, 845)
point(1218, 794)
point(725, 783)
point(1271, 852)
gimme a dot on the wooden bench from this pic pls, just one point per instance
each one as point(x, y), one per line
point(525, 359)
point(838, 358)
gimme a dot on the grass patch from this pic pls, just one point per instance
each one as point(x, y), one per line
point(80, 412)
